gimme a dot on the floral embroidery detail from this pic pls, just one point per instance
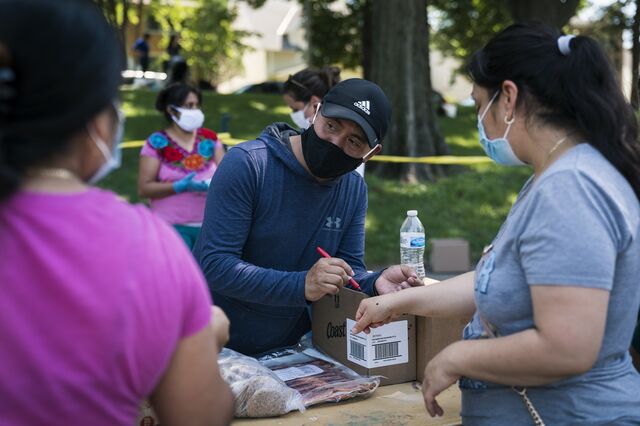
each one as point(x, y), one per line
point(158, 140)
point(207, 133)
point(193, 162)
point(176, 157)
point(205, 148)
point(171, 154)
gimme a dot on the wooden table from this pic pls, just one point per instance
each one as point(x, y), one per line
point(395, 405)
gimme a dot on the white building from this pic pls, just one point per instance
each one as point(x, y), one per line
point(276, 46)
point(278, 49)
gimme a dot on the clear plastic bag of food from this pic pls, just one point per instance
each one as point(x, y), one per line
point(146, 415)
point(317, 377)
point(258, 392)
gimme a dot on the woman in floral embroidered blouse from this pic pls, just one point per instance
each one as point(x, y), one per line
point(177, 163)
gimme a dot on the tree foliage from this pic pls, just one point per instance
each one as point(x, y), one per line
point(120, 15)
point(256, 4)
point(339, 34)
point(464, 26)
point(213, 49)
point(335, 34)
point(552, 12)
point(608, 27)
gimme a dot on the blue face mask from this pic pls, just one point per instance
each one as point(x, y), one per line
point(497, 149)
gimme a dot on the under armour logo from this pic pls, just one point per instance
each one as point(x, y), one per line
point(363, 105)
point(333, 223)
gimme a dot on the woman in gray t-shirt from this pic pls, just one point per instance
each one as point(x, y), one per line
point(556, 294)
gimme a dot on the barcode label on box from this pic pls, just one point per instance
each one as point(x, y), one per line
point(356, 350)
point(291, 373)
point(386, 350)
point(386, 345)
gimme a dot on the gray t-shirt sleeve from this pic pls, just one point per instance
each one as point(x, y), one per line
point(567, 237)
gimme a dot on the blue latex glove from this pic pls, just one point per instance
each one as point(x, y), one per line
point(188, 184)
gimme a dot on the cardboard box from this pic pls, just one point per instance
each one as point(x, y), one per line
point(433, 335)
point(387, 351)
point(449, 255)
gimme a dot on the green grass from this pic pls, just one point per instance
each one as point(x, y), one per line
point(470, 204)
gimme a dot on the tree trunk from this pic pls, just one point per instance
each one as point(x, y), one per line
point(308, 16)
point(140, 19)
point(552, 12)
point(635, 57)
point(367, 39)
point(112, 14)
point(110, 10)
point(400, 65)
point(125, 21)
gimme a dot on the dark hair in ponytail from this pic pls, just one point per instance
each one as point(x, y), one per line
point(311, 82)
point(175, 94)
point(53, 81)
point(577, 91)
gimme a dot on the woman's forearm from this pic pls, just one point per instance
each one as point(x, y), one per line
point(156, 190)
point(448, 298)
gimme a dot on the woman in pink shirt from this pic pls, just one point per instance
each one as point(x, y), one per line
point(177, 163)
point(101, 307)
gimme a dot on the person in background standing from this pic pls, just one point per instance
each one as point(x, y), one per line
point(173, 48)
point(141, 51)
point(173, 51)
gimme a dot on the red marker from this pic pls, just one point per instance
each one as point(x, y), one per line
point(353, 282)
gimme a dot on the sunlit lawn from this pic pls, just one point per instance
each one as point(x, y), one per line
point(470, 204)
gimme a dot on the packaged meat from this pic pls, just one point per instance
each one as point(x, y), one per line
point(317, 377)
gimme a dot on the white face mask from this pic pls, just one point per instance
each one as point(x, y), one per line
point(113, 159)
point(190, 119)
point(300, 120)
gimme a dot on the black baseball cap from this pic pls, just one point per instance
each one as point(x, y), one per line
point(360, 101)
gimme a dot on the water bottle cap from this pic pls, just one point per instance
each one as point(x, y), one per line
point(412, 212)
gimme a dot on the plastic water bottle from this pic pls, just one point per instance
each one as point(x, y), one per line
point(412, 243)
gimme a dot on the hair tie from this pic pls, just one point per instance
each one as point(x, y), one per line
point(563, 44)
point(6, 74)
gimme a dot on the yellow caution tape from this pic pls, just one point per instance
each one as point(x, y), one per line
point(226, 139)
point(131, 144)
point(438, 159)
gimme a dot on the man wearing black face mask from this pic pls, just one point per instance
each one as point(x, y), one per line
point(275, 199)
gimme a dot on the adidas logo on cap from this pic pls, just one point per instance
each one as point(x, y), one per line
point(363, 105)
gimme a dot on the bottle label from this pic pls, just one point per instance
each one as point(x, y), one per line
point(412, 240)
